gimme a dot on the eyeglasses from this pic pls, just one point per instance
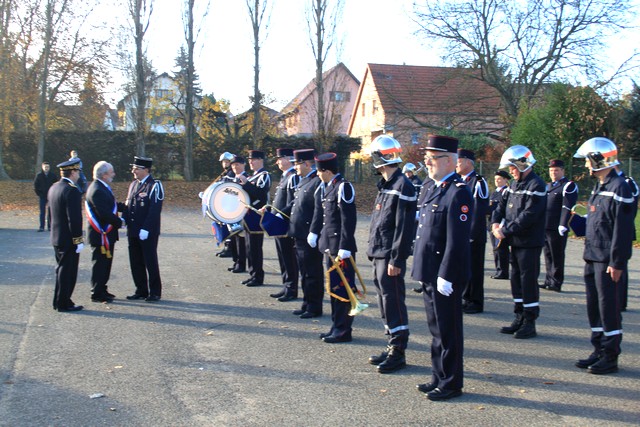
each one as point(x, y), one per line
point(434, 158)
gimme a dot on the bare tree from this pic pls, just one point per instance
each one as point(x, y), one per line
point(257, 10)
point(322, 20)
point(6, 9)
point(520, 46)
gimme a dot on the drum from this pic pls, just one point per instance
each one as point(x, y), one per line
point(225, 202)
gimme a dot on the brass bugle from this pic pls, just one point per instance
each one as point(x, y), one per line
point(356, 306)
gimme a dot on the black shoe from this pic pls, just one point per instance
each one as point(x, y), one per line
point(418, 290)
point(332, 339)
point(136, 296)
point(225, 253)
point(309, 315)
point(254, 283)
point(244, 282)
point(472, 308)
point(102, 299)
point(585, 363)
point(277, 294)
point(299, 312)
point(515, 325)
point(40, 230)
point(543, 286)
point(426, 388)
point(500, 277)
point(554, 288)
point(230, 268)
point(285, 298)
point(70, 308)
point(604, 366)
point(152, 298)
point(326, 334)
point(239, 270)
point(395, 360)
point(377, 359)
point(110, 295)
point(527, 330)
point(439, 394)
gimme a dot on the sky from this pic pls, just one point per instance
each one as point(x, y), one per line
point(372, 31)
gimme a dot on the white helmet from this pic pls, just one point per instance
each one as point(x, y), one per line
point(409, 167)
point(518, 156)
point(385, 150)
point(226, 156)
point(601, 152)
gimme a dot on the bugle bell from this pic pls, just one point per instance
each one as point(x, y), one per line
point(356, 306)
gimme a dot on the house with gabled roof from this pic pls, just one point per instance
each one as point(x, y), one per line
point(299, 117)
point(410, 102)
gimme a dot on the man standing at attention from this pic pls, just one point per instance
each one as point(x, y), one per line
point(519, 218)
point(142, 212)
point(391, 233)
point(500, 249)
point(104, 222)
point(442, 264)
point(41, 184)
point(562, 195)
point(66, 233)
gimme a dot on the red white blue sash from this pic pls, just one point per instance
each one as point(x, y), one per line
point(95, 224)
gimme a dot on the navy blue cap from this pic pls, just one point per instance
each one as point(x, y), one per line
point(466, 154)
point(238, 159)
point(503, 174)
point(441, 143)
point(284, 152)
point(73, 164)
point(556, 163)
point(304, 154)
point(327, 161)
point(142, 162)
point(256, 154)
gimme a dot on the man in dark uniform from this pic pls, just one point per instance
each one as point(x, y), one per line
point(65, 201)
point(285, 245)
point(391, 232)
point(562, 195)
point(409, 170)
point(227, 173)
point(104, 222)
point(607, 249)
point(142, 212)
point(237, 244)
point(257, 187)
point(82, 180)
point(336, 203)
point(41, 184)
point(304, 227)
point(500, 249)
point(519, 218)
point(624, 279)
point(442, 264)
point(473, 293)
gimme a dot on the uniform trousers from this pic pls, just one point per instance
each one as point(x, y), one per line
point(554, 250)
point(603, 309)
point(341, 321)
point(311, 276)
point(100, 270)
point(285, 249)
point(45, 212)
point(391, 300)
point(500, 257)
point(444, 316)
point(253, 242)
point(623, 286)
point(525, 268)
point(238, 252)
point(66, 275)
point(143, 258)
point(474, 290)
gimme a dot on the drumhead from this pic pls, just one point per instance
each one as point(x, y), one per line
point(225, 201)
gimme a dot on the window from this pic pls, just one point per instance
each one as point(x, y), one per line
point(163, 93)
point(414, 138)
point(362, 109)
point(338, 96)
point(374, 108)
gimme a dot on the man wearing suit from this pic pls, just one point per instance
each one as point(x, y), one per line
point(141, 211)
point(41, 185)
point(473, 293)
point(442, 264)
point(65, 201)
point(104, 222)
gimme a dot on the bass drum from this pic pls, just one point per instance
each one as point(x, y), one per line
point(225, 202)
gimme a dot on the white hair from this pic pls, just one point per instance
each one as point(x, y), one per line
point(101, 168)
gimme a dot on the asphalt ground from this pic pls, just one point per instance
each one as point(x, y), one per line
point(216, 353)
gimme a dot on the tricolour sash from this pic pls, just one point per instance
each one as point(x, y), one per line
point(95, 224)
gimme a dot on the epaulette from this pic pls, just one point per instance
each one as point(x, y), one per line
point(460, 184)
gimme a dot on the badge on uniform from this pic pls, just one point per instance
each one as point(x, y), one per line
point(510, 205)
point(143, 194)
point(378, 206)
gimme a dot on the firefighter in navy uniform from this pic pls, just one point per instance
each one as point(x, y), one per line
point(442, 264)
point(304, 227)
point(65, 201)
point(409, 170)
point(519, 218)
point(607, 249)
point(562, 195)
point(285, 245)
point(500, 249)
point(391, 232)
point(473, 293)
point(336, 203)
point(225, 159)
point(624, 280)
point(257, 187)
point(237, 244)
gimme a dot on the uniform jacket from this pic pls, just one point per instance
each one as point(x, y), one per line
point(101, 202)
point(257, 187)
point(480, 193)
point(300, 209)
point(635, 192)
point(43, 182)
point(336, 204)
point(285, 189)
point(65, 202)
point(143, 206)
point(495, 198)
point(393, 220)
point(610, 225)
point(561, 198)
point(523, 212)
point(442, 240)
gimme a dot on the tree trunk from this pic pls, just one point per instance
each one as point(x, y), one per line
point(189, 130)
point(42, 104)
point(4, 86)
point(141, 97)
point(257, 96)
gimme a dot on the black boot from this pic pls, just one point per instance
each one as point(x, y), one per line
point(527, 330)
point(378, 359)
point(395, 360)
point(585, 363)
point(515, 325)
point(604, 365)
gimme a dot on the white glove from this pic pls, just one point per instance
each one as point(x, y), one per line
point(562, 230)
point(279, 216)
point(444, 287)
point(143, 234)
point(124, 223)
point(344, 254)
point(312, 239)
point(79, 247)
